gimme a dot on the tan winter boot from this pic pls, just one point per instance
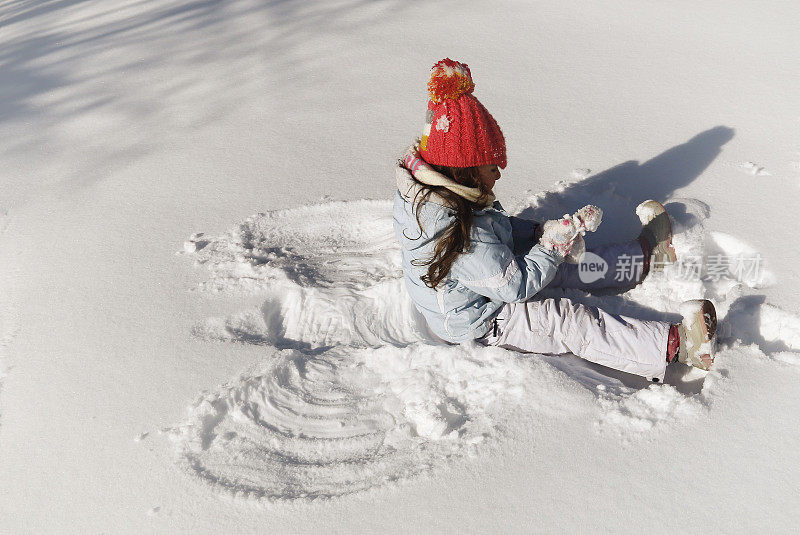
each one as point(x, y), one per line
point(657, 232)
point(697, 333)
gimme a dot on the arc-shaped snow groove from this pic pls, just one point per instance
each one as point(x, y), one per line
point(329, 423)
point(355, 392)
point(336, 245)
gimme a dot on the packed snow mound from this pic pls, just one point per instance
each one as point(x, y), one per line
point(354, 391)
point(643, 409)
point(317, 318)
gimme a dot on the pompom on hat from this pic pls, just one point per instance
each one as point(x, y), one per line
point(459, 131)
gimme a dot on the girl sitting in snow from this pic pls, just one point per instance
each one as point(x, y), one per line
point(474, 272)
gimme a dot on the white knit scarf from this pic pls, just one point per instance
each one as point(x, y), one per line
point(424, 173)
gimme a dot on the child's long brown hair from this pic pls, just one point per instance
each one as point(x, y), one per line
point(456, 238)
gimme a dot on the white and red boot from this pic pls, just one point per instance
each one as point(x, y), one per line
point(692, 341)
point(656, 236)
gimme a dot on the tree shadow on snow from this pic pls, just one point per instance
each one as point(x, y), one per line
point(82, 57)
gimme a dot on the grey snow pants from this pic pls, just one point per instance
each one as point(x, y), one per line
point(558, 326)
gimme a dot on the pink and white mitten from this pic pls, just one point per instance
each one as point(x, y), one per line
point(565, 236)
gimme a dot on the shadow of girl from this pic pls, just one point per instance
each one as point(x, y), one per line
point(620, 189)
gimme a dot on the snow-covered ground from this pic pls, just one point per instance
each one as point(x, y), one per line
point(202, 323)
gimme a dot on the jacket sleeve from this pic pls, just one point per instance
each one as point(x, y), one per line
point(491, 269)
point(523, 232)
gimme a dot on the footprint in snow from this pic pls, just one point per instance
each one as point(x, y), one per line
point(755, 169)
point(581, 173)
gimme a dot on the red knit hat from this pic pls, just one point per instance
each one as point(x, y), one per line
point(459, 131)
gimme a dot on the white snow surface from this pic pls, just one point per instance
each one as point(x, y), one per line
point(203, 323)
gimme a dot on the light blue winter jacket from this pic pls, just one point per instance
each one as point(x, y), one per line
point(504, 264)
